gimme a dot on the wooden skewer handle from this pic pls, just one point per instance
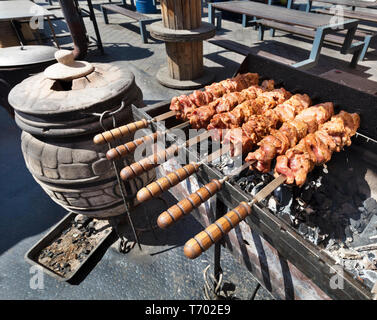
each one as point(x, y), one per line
point(213, 233)
point(184, 207)
point(148, 163)
point(165, 183)
point(117, 133)
point(129, 147)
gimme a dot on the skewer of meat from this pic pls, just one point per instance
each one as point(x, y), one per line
point(289, 134)
point(317, 148)
point(297, 103)
point(185, 104)
point(319, 113)
point(259, 126)
point(314, 149)
point(264, 96)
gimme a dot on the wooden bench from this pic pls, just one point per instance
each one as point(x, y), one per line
point(142, 19)
point(310, 33)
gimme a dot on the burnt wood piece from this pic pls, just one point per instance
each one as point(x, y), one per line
point(142, 19)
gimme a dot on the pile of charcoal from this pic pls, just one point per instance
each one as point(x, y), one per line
point(65, 254)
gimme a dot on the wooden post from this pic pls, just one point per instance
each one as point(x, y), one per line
point(183, 32)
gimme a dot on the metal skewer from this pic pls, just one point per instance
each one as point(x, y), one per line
point(213, 233)
point(163, 184)
point(129, 147)
point(130, 128)
point(154, 160)
point(194, 200)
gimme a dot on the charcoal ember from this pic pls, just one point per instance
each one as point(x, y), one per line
point(66, 231)
point(284, 196)
point(370, 205)
point(307, 194)
point(303, 229)
point(332, 245)
point(286, 217)
point(81, 220)
point(369, 277)
point(349, 234)
point(272, 204)
point(357, 225)
point(267, 178)
point(257, 188)
point(322, 201)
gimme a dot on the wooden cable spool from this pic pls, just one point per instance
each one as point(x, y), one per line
point(183, 31)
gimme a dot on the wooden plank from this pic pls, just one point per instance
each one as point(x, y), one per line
point(187, 16)
point(164, 12)
point(129, 13)
point(178, 9)
point(171, 14)
point(275, 13)
point(171, 51)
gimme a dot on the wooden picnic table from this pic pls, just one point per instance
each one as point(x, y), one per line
point(321, 23)
point(20, 10)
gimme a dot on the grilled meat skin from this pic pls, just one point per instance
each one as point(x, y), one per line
point(185, 104)
point(259, 126)
point(289, 134)
point(317, 148)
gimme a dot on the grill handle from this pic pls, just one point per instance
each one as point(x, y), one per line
point(129, 147)
point(148, 163)
point(213, 233)
point(185, 206)
point(117, 133)
point(165, 183)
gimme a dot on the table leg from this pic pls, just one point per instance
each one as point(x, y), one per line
point(53, 32)
point(316, 50)
point(211, 14)
point(95, 25)
point(309, 6)
point(244, 20)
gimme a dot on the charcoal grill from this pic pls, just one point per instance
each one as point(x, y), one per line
point(299, 269)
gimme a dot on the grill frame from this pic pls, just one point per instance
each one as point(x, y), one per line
point(308, 258)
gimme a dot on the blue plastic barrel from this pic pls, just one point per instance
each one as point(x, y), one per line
point(145, 6)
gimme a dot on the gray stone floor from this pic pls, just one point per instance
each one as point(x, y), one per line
point(160, 271)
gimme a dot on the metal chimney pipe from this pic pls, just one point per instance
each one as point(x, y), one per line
point(76, 27)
